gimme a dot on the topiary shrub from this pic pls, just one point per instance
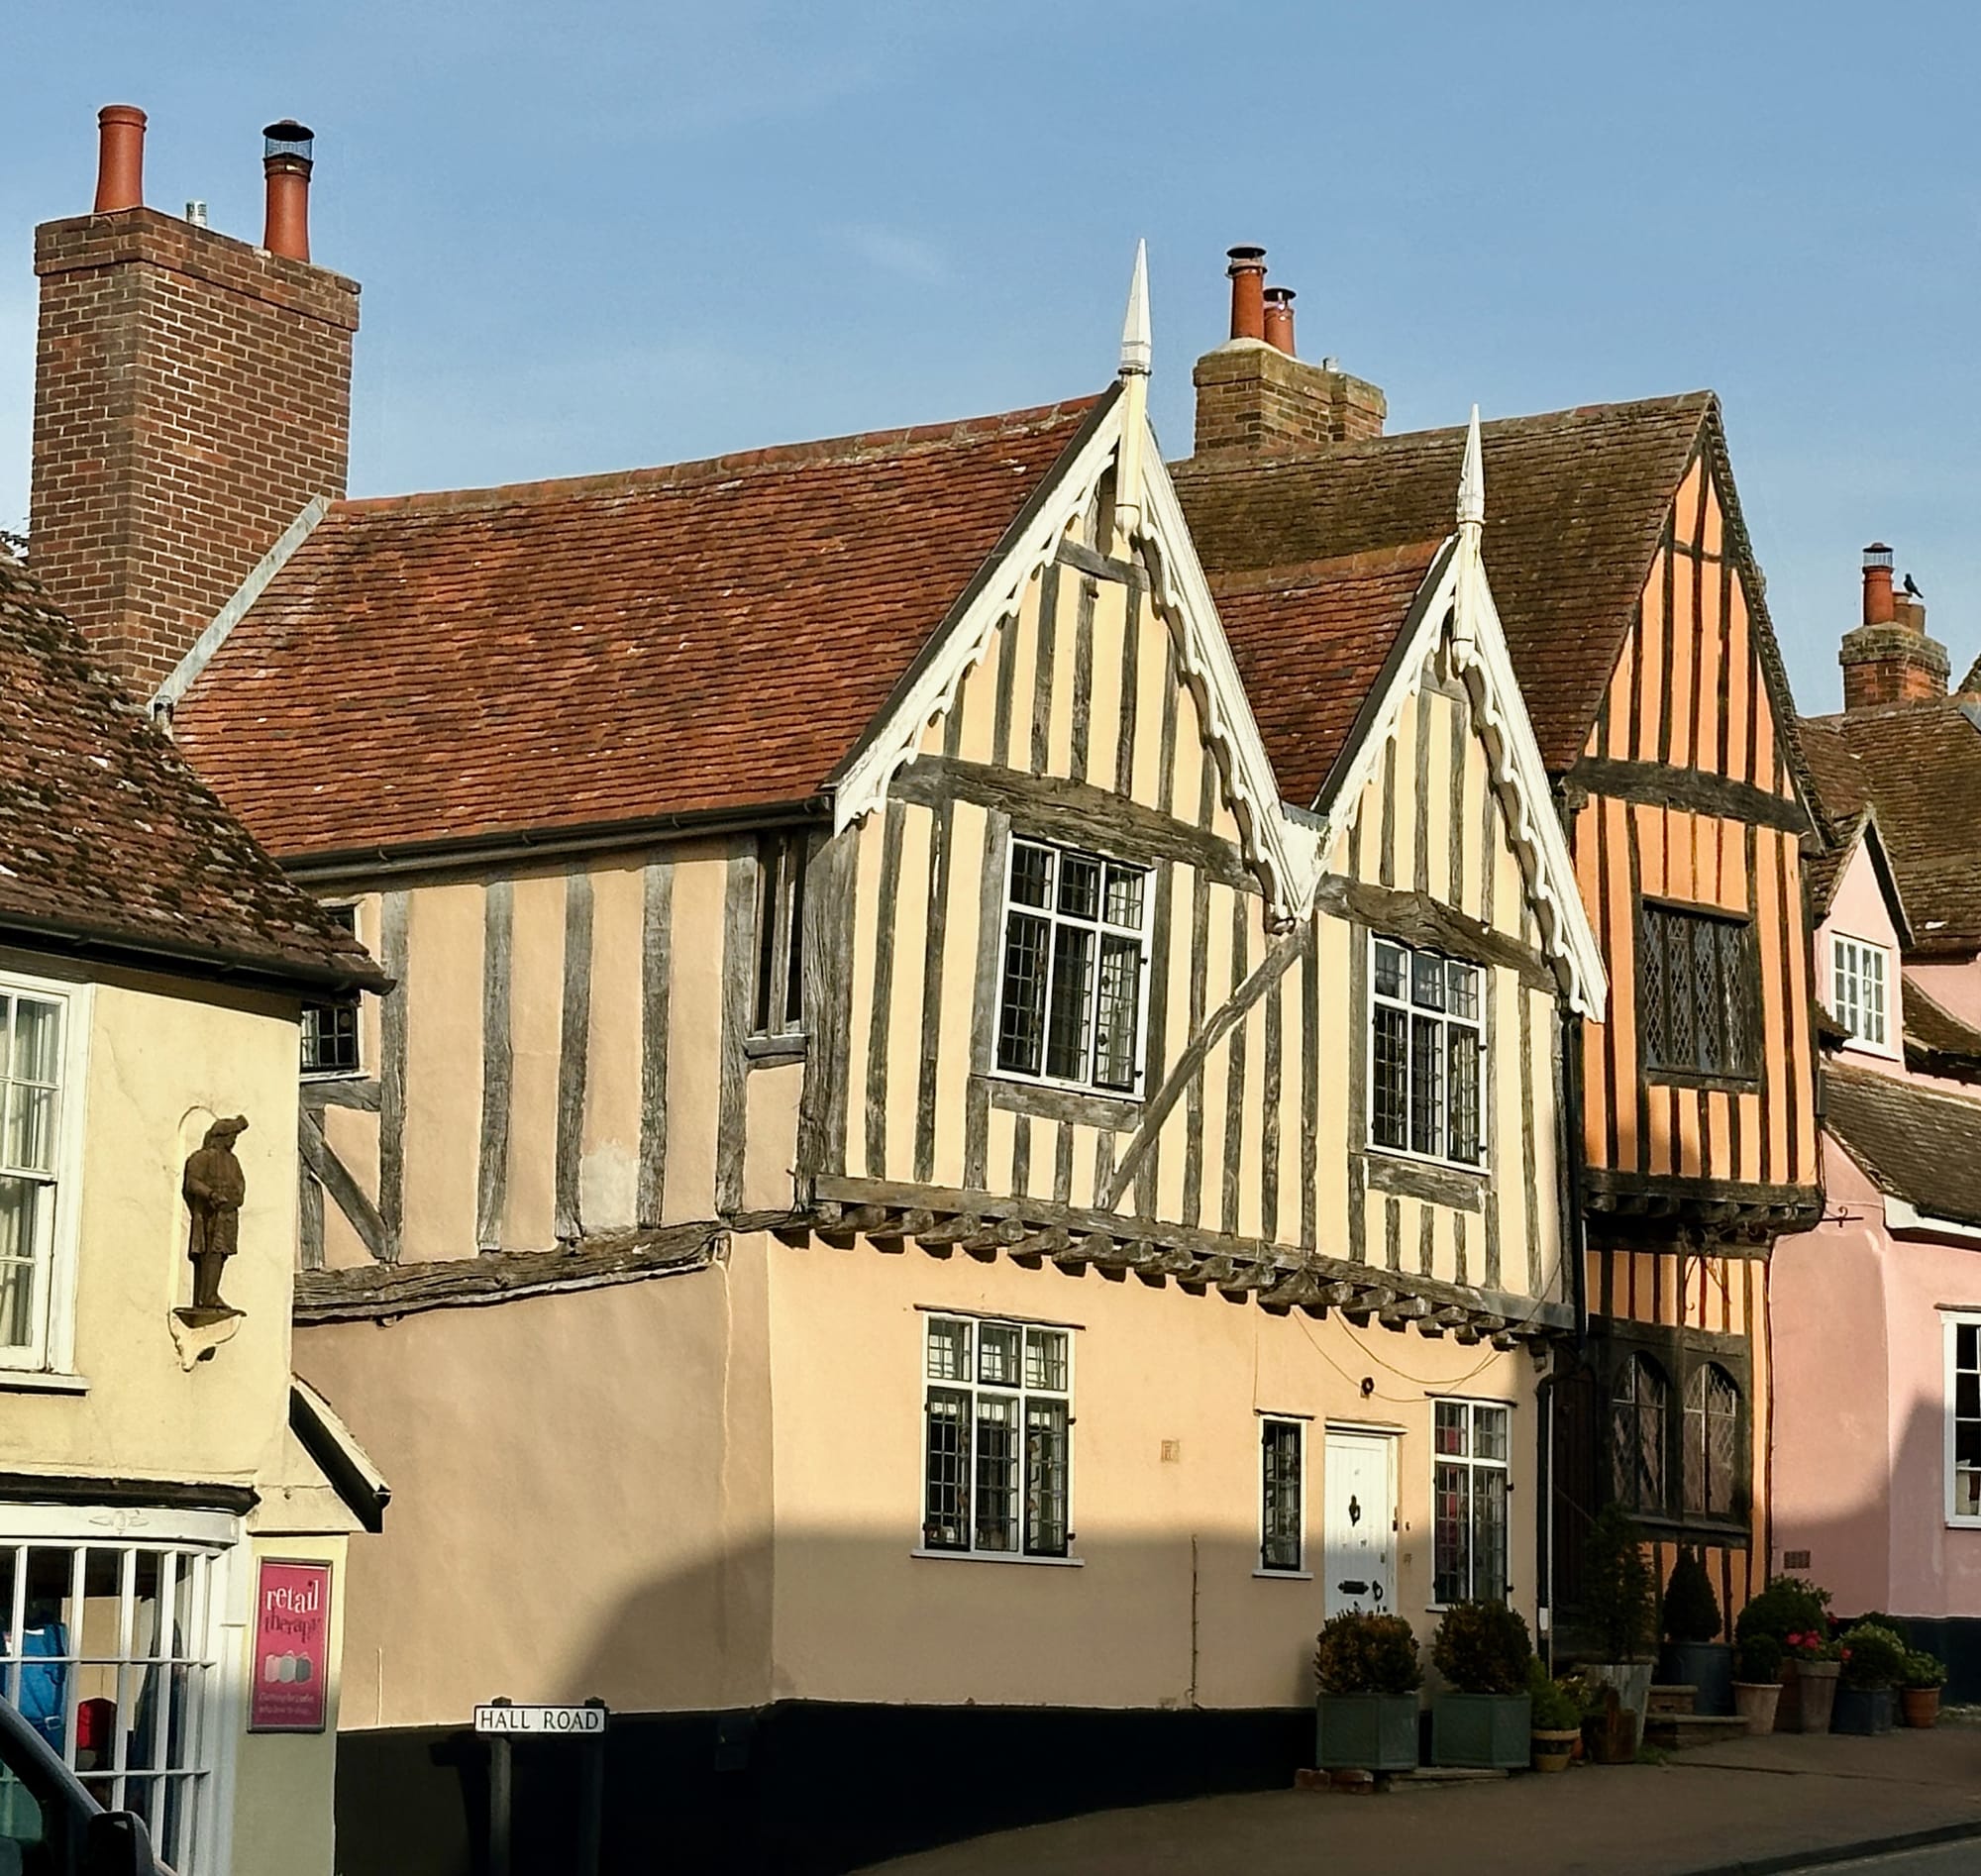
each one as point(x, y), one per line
point(1874, 1656)
point(1691, 1611)
point(1760, 1660)
point(1483, 1649)
point(1620, 1593)
point(1789, 1606)
point(1359, 1653)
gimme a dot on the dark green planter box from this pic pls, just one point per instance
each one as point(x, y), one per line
point(1482, 1731)
point(1705, 1666)
point(1862, 1709)
point(1366, 1732)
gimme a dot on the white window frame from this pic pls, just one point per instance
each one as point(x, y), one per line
point(1953, 1320)
point(214, 1538)
point(1472, 1463)
point(1848, 958)
point(1476, 1024)
point(1102, 929)
point(1299, 1572)
point(53, 1347)
point(354, 1000)
point(1020, 1394)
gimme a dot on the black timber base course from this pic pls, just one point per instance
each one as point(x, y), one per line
point(801, 1787)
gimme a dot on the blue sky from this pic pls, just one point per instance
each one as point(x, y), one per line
point(597, 234)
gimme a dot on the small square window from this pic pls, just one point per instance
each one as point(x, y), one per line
point(330, 1024)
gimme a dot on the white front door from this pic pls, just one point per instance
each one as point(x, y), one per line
point(1359, 1495)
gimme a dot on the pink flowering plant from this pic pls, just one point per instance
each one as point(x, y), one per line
point(1810, 1645)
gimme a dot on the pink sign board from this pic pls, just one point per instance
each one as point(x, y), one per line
point(291, 1684)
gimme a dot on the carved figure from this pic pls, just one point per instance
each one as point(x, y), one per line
point(214, 1187)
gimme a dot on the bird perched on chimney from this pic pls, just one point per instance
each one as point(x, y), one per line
point(1912, 589)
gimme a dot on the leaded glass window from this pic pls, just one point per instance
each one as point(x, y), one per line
point(1427, 1053)
point(1076, 950)
point(1638, 1407)
point(330, 1026)
point(1712, 1440)
point(1469, 1484)
point(997, 1417)
point(1282, 1528)
point(1697, 981)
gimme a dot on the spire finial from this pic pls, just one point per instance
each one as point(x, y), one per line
point(1472, 479)
point(1136, 349)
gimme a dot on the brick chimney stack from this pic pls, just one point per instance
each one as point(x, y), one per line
point(193, 395)
point(1254, 395)
point(1889, 659)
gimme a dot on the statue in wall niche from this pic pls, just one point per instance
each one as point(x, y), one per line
point(214, 1187)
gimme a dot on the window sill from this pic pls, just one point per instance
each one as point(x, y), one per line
point(1057, 1100)
point(1283, 1575)
point(40, 1380)
point(1955, 1521)
point(1699, 1079)
point(769, 1051)
point(998, 1556)
point(1417, 1175)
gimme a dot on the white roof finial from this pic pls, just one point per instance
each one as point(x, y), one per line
point(1472, 479)
point(1135, 346)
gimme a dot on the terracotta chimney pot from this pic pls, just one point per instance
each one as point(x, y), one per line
point(1280, 318)
point(120, 158)
point(1248, 288)
point(286, 163)
point(1878, 585)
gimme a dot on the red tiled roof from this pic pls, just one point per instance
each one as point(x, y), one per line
point(109, 841)
point(1919, 764)
point(1918, 1146)
point(1575, 501)
point(703, 637)
point(1310, 643)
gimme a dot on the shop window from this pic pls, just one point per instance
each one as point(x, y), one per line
point(997, 1421)
point(1963, 1419)
point(1426, 1051)
point(1698, 990)
point(1282, 1519)
point(330, 1024)
point(1857, 988)
point(105, 1653)
point(1076, 950)
point(777, 1008)
point(1469, 1486)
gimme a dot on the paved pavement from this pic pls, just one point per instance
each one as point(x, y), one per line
point(1943, 1859)
point(1778, 1803)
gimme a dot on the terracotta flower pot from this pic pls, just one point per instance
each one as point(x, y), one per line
point(1553, 1748)
point(1755, 1701)
point(1921, 1706)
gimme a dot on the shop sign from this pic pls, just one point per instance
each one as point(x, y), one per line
point(291, 1687)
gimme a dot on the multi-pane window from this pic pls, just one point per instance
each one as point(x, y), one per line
point(31, 1065)
point(1280, 1529)
point(1858, 982)
point(1069, 1003)
point(1963, 1418)
point(997, 1415)
point(330, 1026)
point(1698, 989)
point(1426, 1051)
point(1712, 1440)
point(777, 1008)
point(1638, 1407)
point(105, 1653)
point(1468, 1501)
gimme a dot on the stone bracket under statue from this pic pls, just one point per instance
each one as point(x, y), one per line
point(214, 1189)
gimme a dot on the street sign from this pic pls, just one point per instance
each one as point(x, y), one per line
point(538, 1721)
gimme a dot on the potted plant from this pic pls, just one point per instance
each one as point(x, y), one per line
point(1693, 1656)
point(1874, 1663)
point(1919, 1691)
point(1758, 1688)
point(1620, 1605)
point(1367, 1672)
point(1556, 1719)
point(1795, 1613)
point(1484, 1720)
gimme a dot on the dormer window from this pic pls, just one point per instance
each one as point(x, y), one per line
point(1858, 974)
